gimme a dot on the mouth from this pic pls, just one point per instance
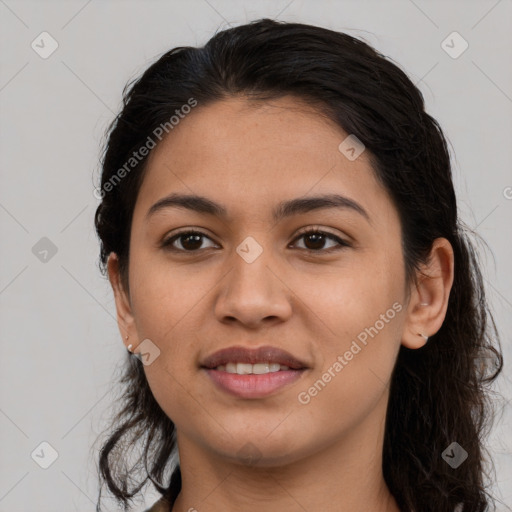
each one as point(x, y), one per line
point(260, 360)
point(251, 369)
point(253, 373)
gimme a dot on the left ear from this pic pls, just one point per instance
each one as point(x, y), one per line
point(429, 296)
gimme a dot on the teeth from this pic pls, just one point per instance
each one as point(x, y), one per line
point(248, 369)
point(231, 368)
point(243, 369)
point(260, 368)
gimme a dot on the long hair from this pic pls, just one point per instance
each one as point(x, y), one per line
point(439, 394)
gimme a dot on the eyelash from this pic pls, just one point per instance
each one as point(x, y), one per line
point(167, 243)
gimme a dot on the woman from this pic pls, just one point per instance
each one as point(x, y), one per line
point(305, 316)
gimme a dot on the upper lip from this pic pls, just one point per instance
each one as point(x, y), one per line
point(265, 354)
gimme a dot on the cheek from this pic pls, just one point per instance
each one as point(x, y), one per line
point(163, 294)
point(172, 376)
point(168, 306)
point(352, 299)
point(359, 320)
point(355, 367)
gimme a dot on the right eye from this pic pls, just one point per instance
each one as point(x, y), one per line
point(190, 241)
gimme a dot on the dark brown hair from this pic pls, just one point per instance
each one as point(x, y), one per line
point(439, 393)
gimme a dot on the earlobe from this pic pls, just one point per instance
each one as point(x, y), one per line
point(429, 296)
point(415, 340)
point(125, 319)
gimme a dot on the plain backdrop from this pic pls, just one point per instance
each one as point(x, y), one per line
point(60, 346)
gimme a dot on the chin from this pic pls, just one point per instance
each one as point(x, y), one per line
point(260, 450)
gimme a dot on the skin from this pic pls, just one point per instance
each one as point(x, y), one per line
point(323, 455)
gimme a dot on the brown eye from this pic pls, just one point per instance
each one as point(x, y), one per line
point(314, 241)
point(190, 241)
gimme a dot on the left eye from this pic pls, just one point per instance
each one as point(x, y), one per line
point(319, 237)
point(191, 241)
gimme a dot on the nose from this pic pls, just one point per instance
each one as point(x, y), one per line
point(253, 293)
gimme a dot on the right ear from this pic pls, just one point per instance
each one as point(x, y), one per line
point(125, 318)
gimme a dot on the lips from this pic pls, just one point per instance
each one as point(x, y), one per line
point(241, 354)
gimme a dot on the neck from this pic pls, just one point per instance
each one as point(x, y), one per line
point(345, 476)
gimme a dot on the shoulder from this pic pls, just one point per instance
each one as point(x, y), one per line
point(162, 505)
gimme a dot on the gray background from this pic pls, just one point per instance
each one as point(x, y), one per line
point(60, 342)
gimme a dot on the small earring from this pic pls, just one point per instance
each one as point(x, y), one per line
point(426, 337)
point(424, 304)
point(129, 347)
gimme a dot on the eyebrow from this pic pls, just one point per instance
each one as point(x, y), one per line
point(283, 210)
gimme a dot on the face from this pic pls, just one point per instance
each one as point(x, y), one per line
point(334, 299)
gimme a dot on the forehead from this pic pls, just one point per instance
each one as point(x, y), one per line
point(238, 128)
point(240, 153)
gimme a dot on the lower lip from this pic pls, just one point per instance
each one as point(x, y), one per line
point(253, 386)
